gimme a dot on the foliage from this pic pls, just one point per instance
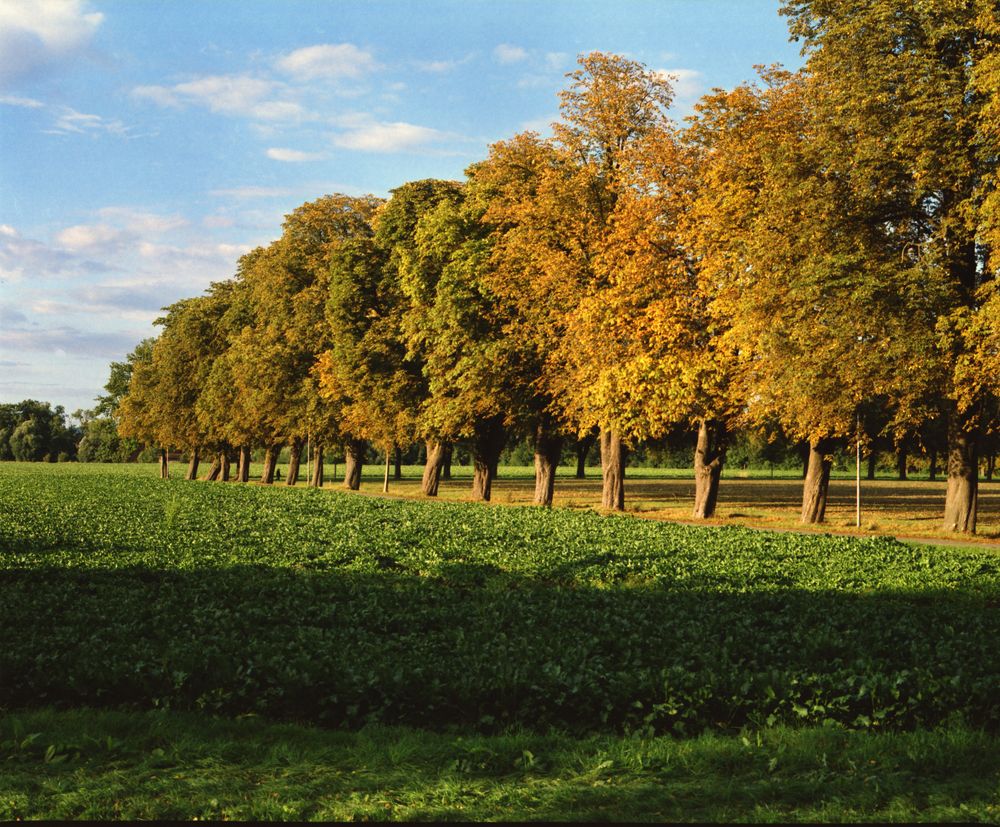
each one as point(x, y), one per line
point(347, 610)
point(32, 431)
point(101, 442)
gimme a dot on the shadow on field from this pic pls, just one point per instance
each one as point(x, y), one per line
point(468, 645)
point(182, 766)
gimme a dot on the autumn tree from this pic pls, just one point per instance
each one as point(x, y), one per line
point(516, 189)
point(815, 304)
point(900, 92)
point(287, 286)
point(139, 410)
point(557, 226)
point(220, 405)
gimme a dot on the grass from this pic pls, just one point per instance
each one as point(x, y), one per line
point(87, 764)
point(911, 509)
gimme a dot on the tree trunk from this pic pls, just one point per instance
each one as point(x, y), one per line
point(613, 455)
point(294, 460)
point(548, 448)
point(991, 464)
point(804, 449)
point(961, 500)
point(354, 459)
point(270, 463)
point(243, 467)
point(901, 458)
point(432, 467)
point(317, 468)
point(709, 457)
point(397, 471)
point(817, 481)
point(226, 464)
point(487, 443)
point(583, 446)
point(449, 452)
point(933, 471)
point(872, 462)
point(192, 472)
point(164, 465)
point(214, 469)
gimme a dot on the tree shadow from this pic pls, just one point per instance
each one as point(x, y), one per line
point(470, 645)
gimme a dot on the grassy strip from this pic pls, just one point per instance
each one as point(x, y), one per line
point(109, 765)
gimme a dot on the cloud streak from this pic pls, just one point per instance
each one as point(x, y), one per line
point(232, 95)
point(293, 155)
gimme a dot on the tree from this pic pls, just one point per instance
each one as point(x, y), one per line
point(368, 371)
point(478, 376)
point(556, 218)
point(815, 304)
point(32, 431)
point(899, 91)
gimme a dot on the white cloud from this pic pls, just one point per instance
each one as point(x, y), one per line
point(35, 34)
point(27, 103)
point(328, 61)
point(292, 155)
point(436, 66)
point(91, 238)
point(373, 136)
point(238, 95)
point(441, 66)
point(686, 83)
point(507, 53)
point(24, 259)
point(160, 95)
point(68, 120)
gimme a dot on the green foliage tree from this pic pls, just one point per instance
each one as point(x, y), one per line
point(32, 431)
point(368, 371)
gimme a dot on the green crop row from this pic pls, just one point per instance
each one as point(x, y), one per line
point(121, 591)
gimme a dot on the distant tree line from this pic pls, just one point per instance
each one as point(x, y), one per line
point(810, 257)
point(32, 431)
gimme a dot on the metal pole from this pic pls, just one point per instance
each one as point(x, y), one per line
point(857, 485)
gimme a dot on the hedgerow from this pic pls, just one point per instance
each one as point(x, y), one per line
point(128, 592)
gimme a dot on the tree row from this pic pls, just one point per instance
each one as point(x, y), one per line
point(812, 254)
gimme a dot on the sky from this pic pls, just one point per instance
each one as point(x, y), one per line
point(146, 144)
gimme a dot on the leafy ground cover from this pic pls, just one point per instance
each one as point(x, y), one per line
point(91, 764)
point(129, 592)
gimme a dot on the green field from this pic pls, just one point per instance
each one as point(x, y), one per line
point(466, 646)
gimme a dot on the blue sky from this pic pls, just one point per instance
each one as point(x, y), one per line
point(146, 144)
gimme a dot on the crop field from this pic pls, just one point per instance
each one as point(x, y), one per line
point(754, 497)
point(123, 594)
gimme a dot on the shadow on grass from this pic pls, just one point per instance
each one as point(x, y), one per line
point(468, 645)
point(180, 766)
